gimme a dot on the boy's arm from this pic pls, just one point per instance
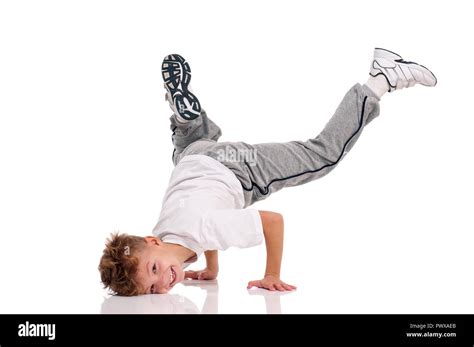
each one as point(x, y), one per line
point(273, 226)
point(212, 262)
point(211, 270)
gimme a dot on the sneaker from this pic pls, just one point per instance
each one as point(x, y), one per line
point(398, 72)
point(177, 75)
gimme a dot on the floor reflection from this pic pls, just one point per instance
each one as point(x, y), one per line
point(158, 303)
point(179, 304)
point(164, 303)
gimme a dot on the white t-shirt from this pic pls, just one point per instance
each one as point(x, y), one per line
point(203, 208)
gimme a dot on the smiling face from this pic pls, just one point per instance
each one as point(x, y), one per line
point(158, 268)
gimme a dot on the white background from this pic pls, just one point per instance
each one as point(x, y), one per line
point(85, 146)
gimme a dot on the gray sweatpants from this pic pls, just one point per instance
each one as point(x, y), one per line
point(265, 168)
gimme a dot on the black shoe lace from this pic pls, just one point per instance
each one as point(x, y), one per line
point(404, 61)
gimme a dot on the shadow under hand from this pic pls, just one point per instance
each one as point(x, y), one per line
point(272, 299)
point(211, 304)
point(163, 303)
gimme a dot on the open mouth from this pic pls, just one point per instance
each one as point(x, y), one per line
point(172, 277)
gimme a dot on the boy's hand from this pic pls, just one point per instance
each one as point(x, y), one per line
point(209, 272)
point(205, 274)
point(271, 283)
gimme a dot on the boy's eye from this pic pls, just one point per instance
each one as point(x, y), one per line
point(154, 268)
point(152, 289)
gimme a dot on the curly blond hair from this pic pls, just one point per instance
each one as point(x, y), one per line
point(119, 263)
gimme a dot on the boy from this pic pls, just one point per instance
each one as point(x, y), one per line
point(204, 208)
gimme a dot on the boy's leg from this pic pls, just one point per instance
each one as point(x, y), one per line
point(189, 122)
point(266, 168)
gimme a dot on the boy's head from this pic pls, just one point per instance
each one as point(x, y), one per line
point(133, 265)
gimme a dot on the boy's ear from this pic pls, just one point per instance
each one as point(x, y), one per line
point(153, 240)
